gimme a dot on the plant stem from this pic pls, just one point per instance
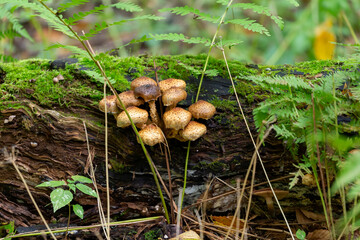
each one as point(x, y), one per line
point(121, 103)
point(68, 223)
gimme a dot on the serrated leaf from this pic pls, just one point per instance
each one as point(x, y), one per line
point(78, 210)
point(128, 6)
point(185, 10)
point(251, 25)
point(73, 49)
point(6, 15)
point(60, 198)
point(176, 37)
point(349, 172)
point(81, 179)
point(87, 190)
point(52, 184)
point(73, 3)
point(81, 15)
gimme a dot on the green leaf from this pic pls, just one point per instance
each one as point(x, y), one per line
point(78, 210)
point(6, 15)
point(72, 187)
point(293, 2)
point(300, 234)
point(127, 6)
point(71, 4)
point(250, 24)
point(176, 37)
point(52, 184)
point(81, 15)
point(349, 173)
point(182, 11)
point(73, 49)
point(81, 179)
point(87, 190)
point(60, 198)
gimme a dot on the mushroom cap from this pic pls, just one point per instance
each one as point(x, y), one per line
point(266, 193)
point(193, 131)
point(171, 82)
point(151, 135)
point(128, 99)
point(147, 92)
point(137, 82)
point(173, 95)
point(110, 104)
point(177, 118)
point(138, 115)
point(202, 109)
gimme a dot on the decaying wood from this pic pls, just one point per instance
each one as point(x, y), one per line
point(51, 145)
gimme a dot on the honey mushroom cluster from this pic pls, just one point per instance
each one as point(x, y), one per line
point(175, 123)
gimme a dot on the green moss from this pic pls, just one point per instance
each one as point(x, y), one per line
point(119, 167)
point(215, 166)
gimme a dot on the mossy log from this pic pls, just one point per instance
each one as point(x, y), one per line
point(44, 121)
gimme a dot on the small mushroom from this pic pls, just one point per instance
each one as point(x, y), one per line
point(110, 105)
point(137, 82)
point(267, 194)
point(149, 93)
point(171, 82)
point(139, 117)
point(173, 96)
point(128, 99)
point(192, 131)
point(151, 135)
point(202, 109)
point(177, 118)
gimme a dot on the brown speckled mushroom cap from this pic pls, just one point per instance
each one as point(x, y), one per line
point(151, 135)
point(171, 82)
point(138, 115)
point(137, 82)
point(193, 131)
point(177, 118)
point(147, 92)
point(110, 105)
point(173, 95)
point(202, 109)
point(128, 99)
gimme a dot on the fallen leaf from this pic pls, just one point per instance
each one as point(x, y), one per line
point(226, 221)
point(313, 216)
point(320, 234)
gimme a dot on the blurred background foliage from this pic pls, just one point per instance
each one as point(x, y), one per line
point(308, 32)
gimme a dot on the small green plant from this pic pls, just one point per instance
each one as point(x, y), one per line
point(7, 230)
point(301, 234)
point(61, 197)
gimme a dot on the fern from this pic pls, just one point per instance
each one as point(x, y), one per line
point(182, 11)
point(81, 15)
point(128, 6)
point(10, 33)
point(176, 37)
point(223, 2)
point(16, 26)
point(250, 24)
point(73, 49)
point(293, 2)
point(7, 58)
point(73, 3)
point(260, 10)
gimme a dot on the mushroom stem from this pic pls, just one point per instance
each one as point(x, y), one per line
point(270, 205)
point(153, 114)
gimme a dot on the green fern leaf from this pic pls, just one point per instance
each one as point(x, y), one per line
point(7, 58)
point(293, 2)
point(98, 77)
point(71, 48)
point(9, 34)
point(182, 11)
point(249, 24)
point(81, 15)
point(229, 43)
point(127, 6)
point(73, 3)
point(5, 14)
point(260, 10)
point(223, 2)
point(176, 37)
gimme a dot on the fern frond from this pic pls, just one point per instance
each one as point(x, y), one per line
point(81, 15)
point(250, 24)
point(44, 13)
point(16, 26)
point(127, 6)
point(293, 2)
point(223, 2)
point(176, 37)
point(73, 49)
point(98, 77)
point(7, 58)
point(182, 11)
point(260, 10)
point(9, 34)
point(73, 3)
point(229, 43)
